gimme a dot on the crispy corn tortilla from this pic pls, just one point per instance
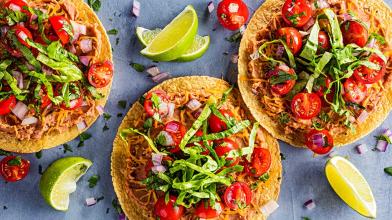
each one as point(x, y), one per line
point(51, 139)
point(121, 150)
point(261, 18)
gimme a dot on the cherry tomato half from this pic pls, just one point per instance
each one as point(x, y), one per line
point(216, 124)
point(261, 162)
point(306, 105)
point(370, 76)
point(177, 131)
point(14, 168)
point(45, 100)
point(296, 12)
point(354, 33)
point(354, 90)
point(100, 74)
point(22, 34)
point(292, 37)
point(62, 27)
point(205, 211)
point(237, 195)
point(285, 87)
point(232, 14)
point(320, 142)
point(168, 211)
point(149, 105)
point(323, 41)
point(7, 104)
point(223, 147)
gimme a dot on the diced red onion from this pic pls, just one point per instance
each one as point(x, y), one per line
point(29, 121)
point(387, 132)
point(72, 49)
point(170, 110)
point(168, 138)
point(242, 29)
point(269, 207)
point(86, 45)
point(210, 6)
point(20, 110)
point(363, 116)
point(304, 33)
point(382, 145)
point(322, 4)
point(163, 108)
point(91, 201)
point(372, 43)
point(85, 60)
point(19, 78)
point(309, 24)
point(234, 58)
point(362, 148)
point(22, 35)
point(158, 169)
point(100, 109)
point(29, 66)
point(122, 216)
point(280, 50)
point(136, 8)
point(153, 70)
point(78, 28)
point(160, 77)
point(172, 127)
point(157, 159)
point(345, 17)
point(14, 7)
point(33, 17)
point(332, 154)
point(318, 140)
point(193, 104)
point(284, 67)
point(81, 125)
point(255, 55)
point(47, 70)
point(310, 204)
point(4, 30)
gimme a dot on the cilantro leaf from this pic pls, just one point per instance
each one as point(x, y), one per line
point(67, 148)
point(38, 155)
point(284, 118)
point(94, 4)
point(83, 137)
point(112, 32)
point(388, 170)
point(138, 67)
point(17, 161)
point(92, 182)
point(384, 138)
point(282, 77)
point(122, 104)
point(106, 116)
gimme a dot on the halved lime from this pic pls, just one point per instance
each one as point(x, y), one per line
point(198, 48)
point(351, 186)
point(59, 180)
point(175, 38)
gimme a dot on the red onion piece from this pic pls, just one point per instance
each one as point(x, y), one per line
point(372, 43)
point(136, 8)
point(193, 104)
point(322, 4)
point(388, 132)
point(382, 145)
point(122, 216)
point(255, 55)
point(78, 28)
point(71, 48)
point(22, 35)
point(160, 77)
point(345, 17)
point(85, 60)
point(362, 148)
point(168, 138)
point(158, 169)
point(280, 50)
point(86, 45)
point(19, 78)
point(309, 24)
point(210, 6)
point(304, 33)
point(268, 208)
point(157, 159)
point(171, 107)
point(234, 58)
point(153, 70)
point(242, 29)
point(310, 204)
point(91, 201)
point(163, 108)
point(14, 7)
point(20, 110)
point(318, 140)
point(100, 109)
point(29, 121)
point(363, 116)
point(332, 154)
point(81, 125)
point(284, 67)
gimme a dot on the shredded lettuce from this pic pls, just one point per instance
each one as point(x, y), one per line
point(215, 136)
point(124, 133)
point(318, 70)
point(287, 49)
point(310, 48)
point(68, 71)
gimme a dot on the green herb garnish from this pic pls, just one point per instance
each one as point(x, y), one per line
point(92, 182)
point(112, 32)
point(38, 155)
point(94, 4)
point(67, 148)
point(4, 153)
point(388, 170)
point(264, 177)
point(17, 161)
point(284, 118)
point(384, 138)
point(122, 104)
point(106, 116)
point(138, 67)
point(83, 137)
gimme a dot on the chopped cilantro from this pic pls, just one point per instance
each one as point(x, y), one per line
point(264, 177)
point(122, 104)
point(105, 128)
point(377, 37)
point(17, 161)
point(4, 153)
point(282, 156)
point(384, 138)
point(106, 116)
point(92, 182)
point(119, 115)
point(283, 118)
point(94, 4)
point(38, 154)
point(254, 185)
point(305, 218)
point(355, 105)
point(388, 170)
point(67, 148)
point(240, 204)
point(83, 137)
point(324, 117)
point(137, 66)
point(112, 32)
point(148, 123)
point(317, 125)
point(236, 37)
point(117, 206)
point(100, 198)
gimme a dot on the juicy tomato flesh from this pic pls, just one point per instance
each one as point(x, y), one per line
point(306, 105)
point(7, 104)
point(14, 172)
point(22, 34)
point(316, 148)
point(292, 37)
point(296, 13)
point(286, 87)
point(232, 14)
point(148, 104)
point(370, 76)
point(323, 41)
point(261, 162)
point(354, 33)
point(177, 131)
point(216, 124)
point(205, 211)
point(354, 90)
point(62, 27)
point(100, 74)
point(237, 195)
point(223, 147)
point(168, 211)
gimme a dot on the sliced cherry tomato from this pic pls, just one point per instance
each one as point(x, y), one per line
point(14, 168)
point(323, 41)
point(237, 195)
point(7, 104)
point(232, 14)
point(149, 105)
point(321, 87)
point(292, 37)
point(205, 211)
point(306, 105)
point(261, 162)
point(296, 12)
point(320, 142)
point(62, 27)
point(370, 76)
point(354, 33)
point(22, 33)
point(169, 210)
point(285, 87)
point(100, 74)
point(354, 90)
point(223, 147)
point(216, 124)
point(17, 5)
point(177, 131)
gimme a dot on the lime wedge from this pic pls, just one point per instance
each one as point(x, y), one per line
point(175, 38)
point(59, 180)
point(198, 48)
point(351, 186)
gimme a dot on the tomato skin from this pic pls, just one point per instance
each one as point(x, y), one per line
point(223, 147)
point(354, 33)
point(148, 104)
point(58, 23)
point(168, 211)
point(354, 90)
point(370, 76)
point(292, 37)
point(261, 162)
point(22, 31)
point(296, 13)
point(205, 211)
point(6, 105)
point(177, 131)
point(232, 14)
point(306, 105)
point(100, 74)
point(323, 41)
point(237, 192)
point(13, 173)
point(282, 88)
point(317, 149)
point(216, 125)
point(17, 5)
point(319, 90)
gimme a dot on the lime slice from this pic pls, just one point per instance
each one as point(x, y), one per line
point(198, 48)
point(59, 180)
point(351, 186)
point(175, 38)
